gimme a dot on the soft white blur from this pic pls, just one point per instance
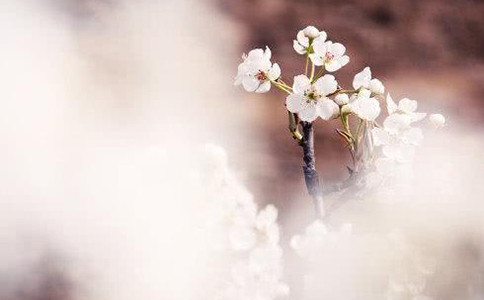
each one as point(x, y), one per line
point(101, 115)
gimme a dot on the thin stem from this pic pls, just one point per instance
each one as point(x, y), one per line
point(282, 87)
point(307, 65)
point(320, 72)
point(312, 72)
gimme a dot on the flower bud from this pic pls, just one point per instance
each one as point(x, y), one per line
point(345, 109)
point(311, 32)
point(341, 99)
point(376, 86)
point(437, 120)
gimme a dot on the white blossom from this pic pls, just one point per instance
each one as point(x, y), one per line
point(406, 107)
point(329, 54)
point(364, 80)
point(364, 106)
point(310, 100)
point(256, 71)
point(305, 37)
point(341, 99)
point(398, 138)
point(437, 120)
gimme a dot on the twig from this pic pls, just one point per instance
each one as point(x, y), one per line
point(311, 176)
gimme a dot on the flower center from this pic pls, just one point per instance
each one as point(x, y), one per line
point(328, 56)
point(311, 96)
point(261, 76)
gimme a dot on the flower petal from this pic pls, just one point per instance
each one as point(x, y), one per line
point(414, 136)
point(308, 113)
point(294, 102)
point(250, 83)
point(301, 84)
point(337, 49)
point(415, 117)
point(341, 99)
point(327, 109)
point(275, 72)
point(376, 86)
point(407, 106)
point(396, 122)
point(332, 65)
point(298, 48)
point(322, 36)
point(316, 59)
point(362, 79)
point(326, 85)
point(320, 47)
point(391, 105)
point(255, 54)
point(267, 53)
point(302, 39)
point(264, 87)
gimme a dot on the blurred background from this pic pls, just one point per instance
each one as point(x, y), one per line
point(89, 86)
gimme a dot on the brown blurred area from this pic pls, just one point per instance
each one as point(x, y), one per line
point(431, 51)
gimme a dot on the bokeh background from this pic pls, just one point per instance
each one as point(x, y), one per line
point(85, 78)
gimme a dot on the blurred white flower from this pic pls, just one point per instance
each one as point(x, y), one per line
point(256, 71)
point(398, 138)
point(437, 120)
point(365, 107)
point(329, 54)
point(406, 107)
point(310, 100)
point(305, 37)
point(363, 80)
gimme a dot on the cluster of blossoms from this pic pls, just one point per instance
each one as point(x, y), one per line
point(380, 152)
point(316, 94)
point(248, 236)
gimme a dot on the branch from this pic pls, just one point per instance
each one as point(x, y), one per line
point(311, 176)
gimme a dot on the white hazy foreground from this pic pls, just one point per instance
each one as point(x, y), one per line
point(105, 167)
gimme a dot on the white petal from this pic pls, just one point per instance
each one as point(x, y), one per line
point(264, 87)
point(308, 113)
point(396, 122)
point(255, 54)
point(407, 106)
point(391, 106)
point(299, 49)
point(320, 47)
point(437, 120)
point(301, 84)
point(415, 117)
point(362, 79)
point(311, 32)
point(327, 109)
point(322, 36)
point(332, 65)
point(316, 59)
point(341, 99)
point(344, 60)
point(302, 39)
point(294, 102)
point(337, 49)
point(414, 136)
point(250, 83)
point(380, 136)
point(267, 53)
point(274, 72)
point(376, 86)
point(326, 85)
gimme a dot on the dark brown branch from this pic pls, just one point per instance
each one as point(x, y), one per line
point(311, 176)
